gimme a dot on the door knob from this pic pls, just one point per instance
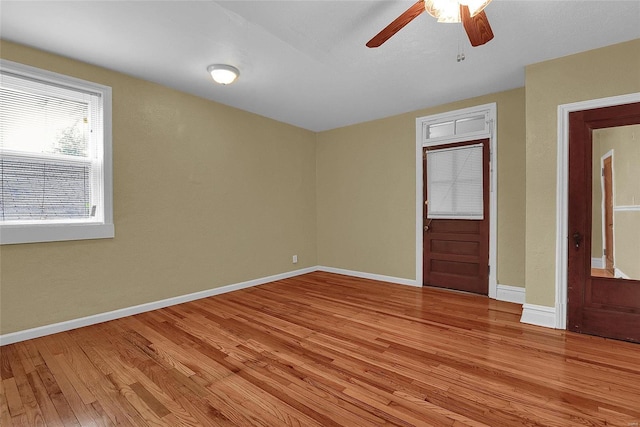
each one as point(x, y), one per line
point(577, 238)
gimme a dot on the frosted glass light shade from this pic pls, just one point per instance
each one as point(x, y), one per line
point(449, 10)
point(475, 6)
point(223, 74)
point(444, 10)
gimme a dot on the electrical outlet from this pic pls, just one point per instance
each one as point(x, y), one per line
point(295, 259)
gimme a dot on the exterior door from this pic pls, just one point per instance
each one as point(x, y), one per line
point(456, 251)
point(603, 306)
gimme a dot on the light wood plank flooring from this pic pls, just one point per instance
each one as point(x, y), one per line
point(322, 350)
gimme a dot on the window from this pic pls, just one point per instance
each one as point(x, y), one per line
point(454, 180)
point(464, 126)
point(55, 157)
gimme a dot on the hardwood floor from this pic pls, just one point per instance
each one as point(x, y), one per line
point(322, 350)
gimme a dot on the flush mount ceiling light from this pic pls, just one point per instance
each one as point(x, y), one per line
point(223, 74)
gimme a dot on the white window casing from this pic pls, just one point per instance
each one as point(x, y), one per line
point(55, 157)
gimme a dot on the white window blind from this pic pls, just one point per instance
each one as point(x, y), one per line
point(52, 156)
point(48, 159)
point(455, 183)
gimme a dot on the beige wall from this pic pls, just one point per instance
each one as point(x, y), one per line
point(627, 243)
point(599, 73)
point(366, 191)
point(624, 142)
point(253, 188)
point(204, 195)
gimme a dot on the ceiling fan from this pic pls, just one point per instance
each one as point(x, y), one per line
point(469, 12)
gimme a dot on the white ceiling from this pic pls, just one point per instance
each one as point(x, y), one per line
point(305, 62)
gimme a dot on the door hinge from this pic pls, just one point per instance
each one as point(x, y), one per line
point(488, 269)
point(604, 252)
point(602, 171)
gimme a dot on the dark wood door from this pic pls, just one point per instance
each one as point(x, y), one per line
point(456, 251)
point(601, 306)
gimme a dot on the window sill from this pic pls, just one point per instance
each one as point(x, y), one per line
point(16, 234)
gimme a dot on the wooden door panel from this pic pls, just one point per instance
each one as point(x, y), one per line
point(454, 237)
point(463, 259)
point(625, 296)
point(455, 226)
point(456, 251)
point(596, 305)
point(599, 322)
point(469, 269)
point(450, 246)
point(455, 281)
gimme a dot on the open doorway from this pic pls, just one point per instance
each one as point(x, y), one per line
point(603, 251)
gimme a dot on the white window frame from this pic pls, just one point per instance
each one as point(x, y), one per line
point(102, 228)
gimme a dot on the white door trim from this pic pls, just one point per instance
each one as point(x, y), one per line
point(489, 110)
point(562, 193)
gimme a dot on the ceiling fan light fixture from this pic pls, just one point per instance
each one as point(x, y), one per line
point(475, 6)
point(448, 11)
point(223, 74)
point(469, 12)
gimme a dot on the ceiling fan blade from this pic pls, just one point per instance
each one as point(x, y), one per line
point(397, 24)
point(477, 27)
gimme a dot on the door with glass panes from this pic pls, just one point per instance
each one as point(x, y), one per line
point(456, 216)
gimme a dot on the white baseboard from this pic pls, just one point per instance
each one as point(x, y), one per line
point(511, 294)
point(618, 274)
point(597, 263)
point(130, 311)
point(539, 315)
point(371, 276)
